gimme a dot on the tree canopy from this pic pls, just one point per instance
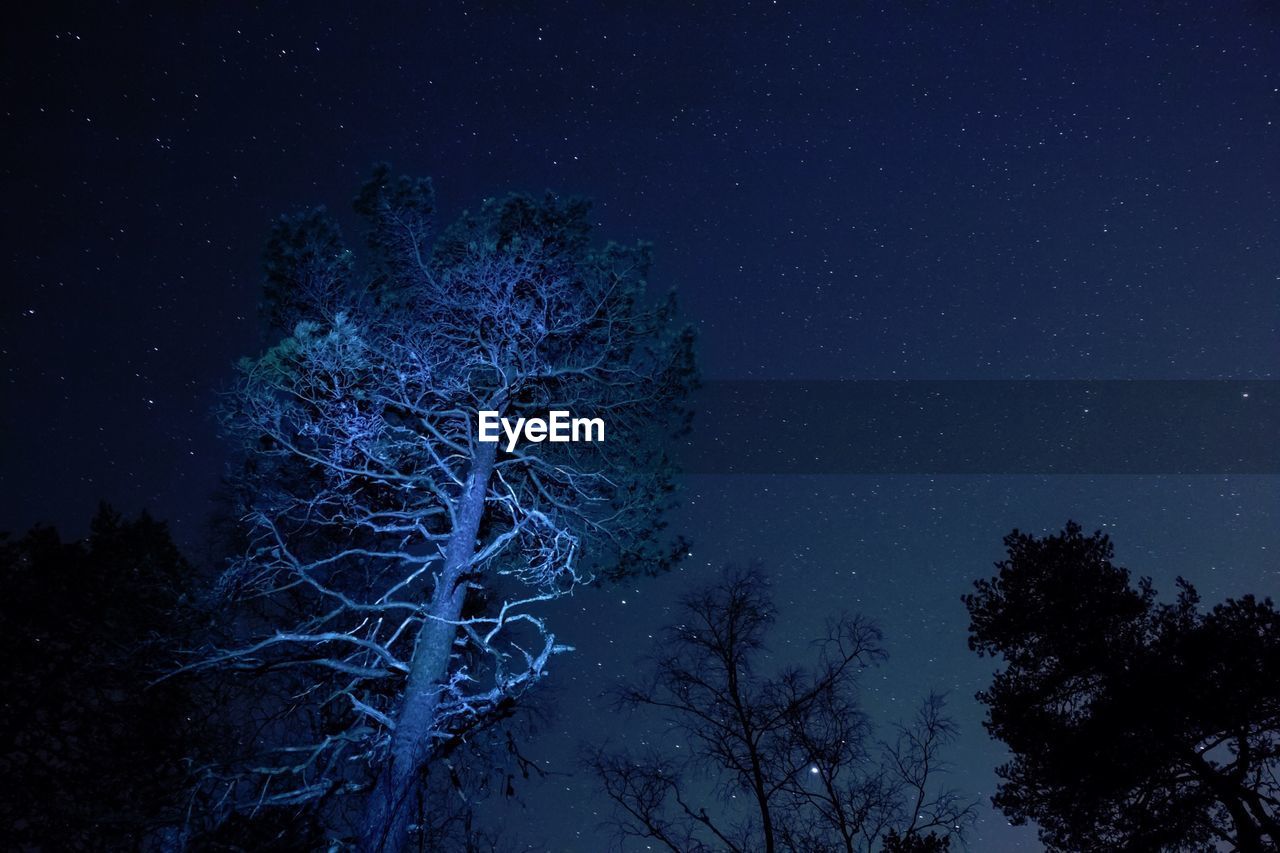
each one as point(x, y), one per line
point(93, 757)
point(1134, 724)
point(405, 559)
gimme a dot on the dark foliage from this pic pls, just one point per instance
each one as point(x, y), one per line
point(91, 755)
point(1134, 724)
point(915, 843)
point(306, 269)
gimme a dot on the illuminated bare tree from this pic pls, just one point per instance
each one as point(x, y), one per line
point(405, 560)
point(792, 754)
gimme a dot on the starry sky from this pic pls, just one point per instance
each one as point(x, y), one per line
point(837, 191)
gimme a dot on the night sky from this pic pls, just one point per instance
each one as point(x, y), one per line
point(920, 191)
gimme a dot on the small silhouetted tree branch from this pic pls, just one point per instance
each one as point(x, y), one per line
point(794, 744)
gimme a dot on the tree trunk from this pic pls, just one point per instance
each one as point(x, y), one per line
point(392, 804)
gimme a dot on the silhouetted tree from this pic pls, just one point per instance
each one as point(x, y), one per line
point(794, 744)
point(915, 843)
point(1134, 724)
point(91, 759)
point(404, 560)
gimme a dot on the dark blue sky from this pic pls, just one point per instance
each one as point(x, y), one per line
point(923, 190)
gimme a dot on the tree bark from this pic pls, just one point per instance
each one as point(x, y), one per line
point(392, 803)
